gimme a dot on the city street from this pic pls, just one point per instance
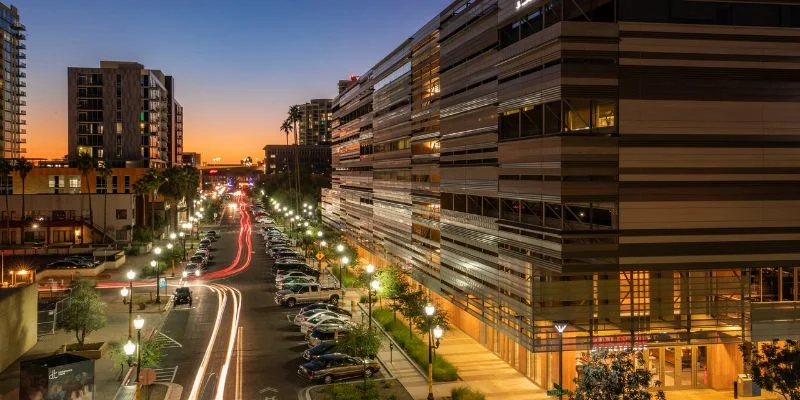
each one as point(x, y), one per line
point(263, 361)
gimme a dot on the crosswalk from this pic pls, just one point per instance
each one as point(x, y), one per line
point(165, 341)
point(166, 374)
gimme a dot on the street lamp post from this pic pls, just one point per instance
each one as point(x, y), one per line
point(130, 275)
point(370, 270)
point(155, 265)
point(374, 285)
point(183, 242)
point(560, 326)
point(138, 324)
point(429, 311)
point(344, 261)
point(129, 348)
point(171, 247)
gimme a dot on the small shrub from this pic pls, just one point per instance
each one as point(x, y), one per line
point(352, 391)
point(132, 251)
point(465, 393)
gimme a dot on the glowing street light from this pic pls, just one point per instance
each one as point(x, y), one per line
point(339, 247)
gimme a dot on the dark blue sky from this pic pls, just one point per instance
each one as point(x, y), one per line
point(238, 65)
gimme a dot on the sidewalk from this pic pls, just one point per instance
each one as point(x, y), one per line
point(116, 329)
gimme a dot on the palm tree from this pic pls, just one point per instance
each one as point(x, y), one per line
point(190, 185)
point(5, 171)
point(172, 190)
point(105, 171)
point(23, 167)
point(148, 185)
point(86, 164)
point(294, 117)
point(286, 127)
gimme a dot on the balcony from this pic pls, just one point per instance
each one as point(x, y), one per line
point(21, 46)
point(21, 112)
point(22, 84)
point(23, 140)
point(20, 36)
point(23, 131)
point(18, 26)
point(20, 65)
point(23, 122)
point(23, 150)
point(21, 103)
point(21, 56)
point(20, 93)
point(20, 74)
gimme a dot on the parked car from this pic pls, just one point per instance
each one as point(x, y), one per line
point(200, 260)
point(323, 333)
point(213, 233)
point(322, 320)
point(205, 246)
point(326, 306)
point(285, 253)
point(68, 264)
point(336, 366)
point(307, 294)
point(300, 318)
point(182, 296)
point(321, 349)
point(294, 281)
point(205, 241)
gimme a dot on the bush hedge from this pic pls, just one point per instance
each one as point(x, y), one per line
point(465, 393)
point(443, 371)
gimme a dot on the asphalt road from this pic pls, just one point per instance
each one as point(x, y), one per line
point(265, 356)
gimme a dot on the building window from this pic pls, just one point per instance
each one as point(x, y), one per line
point(127, 181)
point(114, 184)
point(100, 184)
point(604, 114)
point(119, 128)
point(7, 185)
point(122, 214)
point(75, 182)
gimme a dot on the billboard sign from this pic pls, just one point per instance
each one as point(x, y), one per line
point(62, 376)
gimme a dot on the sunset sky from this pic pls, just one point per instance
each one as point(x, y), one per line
point(238, 65)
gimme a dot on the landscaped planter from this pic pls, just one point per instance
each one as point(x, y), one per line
point(92, 351)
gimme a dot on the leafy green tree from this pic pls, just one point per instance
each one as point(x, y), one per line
point(440, 318)
point(412, 306)
point(86, 164)
point(394, 283)
point(151, 355)
point(361, 342)
point(777, 368)
point(5, 170)
point(23, 168)
point(614, 375)
point(85, 311)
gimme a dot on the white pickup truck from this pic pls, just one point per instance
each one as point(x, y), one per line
point(306, 294)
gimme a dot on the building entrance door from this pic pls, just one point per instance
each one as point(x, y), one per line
point(680, 367)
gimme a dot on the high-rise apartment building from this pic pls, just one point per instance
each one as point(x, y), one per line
point(174, 124)
point(124, 114)
point(12, 85)
point(626, 167)
point(314, 127)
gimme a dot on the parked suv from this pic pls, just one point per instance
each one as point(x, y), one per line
point(331, 367)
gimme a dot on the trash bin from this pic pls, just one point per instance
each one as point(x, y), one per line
point(746, 387)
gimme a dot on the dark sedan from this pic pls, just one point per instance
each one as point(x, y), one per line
point(336, 366)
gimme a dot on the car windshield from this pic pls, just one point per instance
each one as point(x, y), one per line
point(182, 291)
point(313, 365)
